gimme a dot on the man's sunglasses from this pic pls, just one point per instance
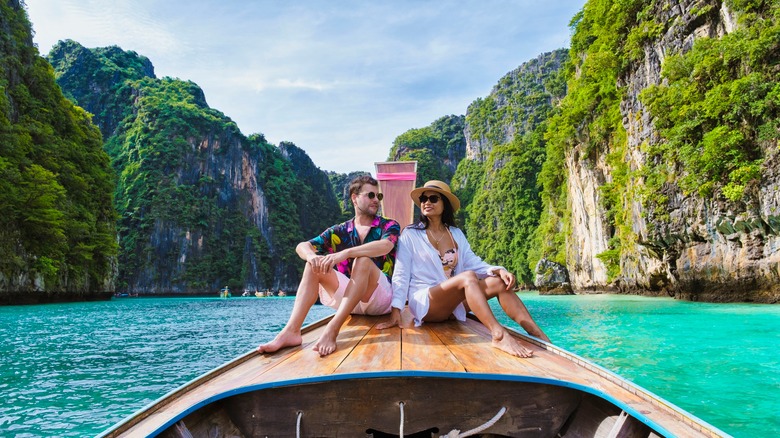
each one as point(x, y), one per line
point(433, 198)
point(372, 195)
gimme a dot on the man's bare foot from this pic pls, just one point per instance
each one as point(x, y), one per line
point(326, 344)
point(505, 342)
point(283, 339)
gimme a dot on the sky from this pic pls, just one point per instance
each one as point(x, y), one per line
point(340, 79)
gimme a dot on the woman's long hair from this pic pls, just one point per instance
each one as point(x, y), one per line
point(447, 216)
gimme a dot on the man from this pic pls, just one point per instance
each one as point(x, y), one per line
point(349, 266)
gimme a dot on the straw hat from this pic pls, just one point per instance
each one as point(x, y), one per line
point(439, 187)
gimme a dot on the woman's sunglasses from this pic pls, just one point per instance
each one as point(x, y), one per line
point(433, 198)
point(372, 195)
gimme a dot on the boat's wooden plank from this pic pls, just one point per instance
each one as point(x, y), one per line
point(379, 350)
point(423, 350)
point(450, 346)
point(548, 364)
point(474, 350)
point(308, 363)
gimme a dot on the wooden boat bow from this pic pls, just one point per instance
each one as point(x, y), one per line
point(447, 375)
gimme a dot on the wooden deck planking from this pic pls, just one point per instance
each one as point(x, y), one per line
point(422, 350)
point(378, 350)
point(476, 353)
point(306, 362)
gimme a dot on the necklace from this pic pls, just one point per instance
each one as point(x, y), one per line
point(440, 237)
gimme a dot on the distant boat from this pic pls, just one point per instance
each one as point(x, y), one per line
point(246, 293)
point(225, 292)
point(282, 293)
point(259, 294)
point(426, 380)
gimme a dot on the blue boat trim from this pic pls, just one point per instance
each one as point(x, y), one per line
point(426, 374)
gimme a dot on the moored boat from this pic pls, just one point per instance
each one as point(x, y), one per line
point(411, 381)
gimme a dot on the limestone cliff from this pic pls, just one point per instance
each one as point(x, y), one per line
point(671, 175)
point(201, 205)
point(437, 148)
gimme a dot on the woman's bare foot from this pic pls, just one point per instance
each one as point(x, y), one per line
point(326, 344)
point(283, 339)
point(505, 342)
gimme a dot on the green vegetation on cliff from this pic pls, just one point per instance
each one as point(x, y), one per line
point(590, 117)
point(719, 109)
point(437, 148)
point(57, 221)
point(313, 192)
point(501, 195)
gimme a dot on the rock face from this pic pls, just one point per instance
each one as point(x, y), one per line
point(695, 247)
point(201, 205)
point(552, 278)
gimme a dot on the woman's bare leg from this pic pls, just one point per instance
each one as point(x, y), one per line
point(513, 306)
point(445, 297)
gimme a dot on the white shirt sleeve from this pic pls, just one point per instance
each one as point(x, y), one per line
point(402, 271)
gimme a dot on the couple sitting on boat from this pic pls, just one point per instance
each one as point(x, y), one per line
point(353, 267)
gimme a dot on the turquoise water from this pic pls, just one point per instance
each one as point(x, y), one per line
point(75, 369)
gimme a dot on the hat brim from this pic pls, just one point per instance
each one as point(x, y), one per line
point(454, 201)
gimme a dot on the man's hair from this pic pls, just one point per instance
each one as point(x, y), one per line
point(359, 181)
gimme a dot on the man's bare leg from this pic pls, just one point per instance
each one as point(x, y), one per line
point(362, 283)
point(308, 291)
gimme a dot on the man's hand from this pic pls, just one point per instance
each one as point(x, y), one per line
point(324, 264)
point(395, 319)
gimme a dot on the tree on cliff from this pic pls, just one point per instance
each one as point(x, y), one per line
point(57, 227)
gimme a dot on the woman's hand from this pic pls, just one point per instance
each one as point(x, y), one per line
point(507, 278)
point(395, 319)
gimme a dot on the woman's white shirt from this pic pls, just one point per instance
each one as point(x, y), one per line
point(418, 267)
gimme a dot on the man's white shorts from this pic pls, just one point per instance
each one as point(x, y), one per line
point(379, 303)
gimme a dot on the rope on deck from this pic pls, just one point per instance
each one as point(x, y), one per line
point(298, 425)
point(401, 429)
point(455, 433)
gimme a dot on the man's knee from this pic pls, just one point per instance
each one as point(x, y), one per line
point(363, 265)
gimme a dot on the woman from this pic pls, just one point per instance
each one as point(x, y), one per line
point(437, 272)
